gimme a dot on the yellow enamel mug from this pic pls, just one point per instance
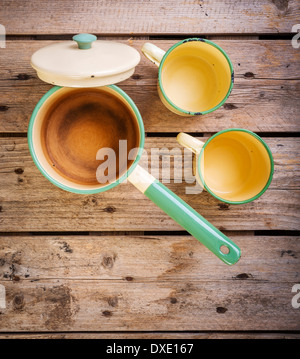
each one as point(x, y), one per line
point(195, 76)
point(235, 165)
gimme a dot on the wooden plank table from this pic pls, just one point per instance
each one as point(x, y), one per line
point(113, 265)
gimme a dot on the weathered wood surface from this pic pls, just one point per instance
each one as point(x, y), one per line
point(146, 283)
point(155, 283)
point(28, 202)
point(145, 259)
point(153, 335)
point(149, 17)
point(265, 97)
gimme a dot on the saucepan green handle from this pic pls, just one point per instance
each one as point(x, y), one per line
point(186, 216)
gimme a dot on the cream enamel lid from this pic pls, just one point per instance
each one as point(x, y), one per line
point(85, 62)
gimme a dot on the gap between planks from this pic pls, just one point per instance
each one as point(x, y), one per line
point(135, 233)
point(174, 134)
point(256, 233)
point(61, 37)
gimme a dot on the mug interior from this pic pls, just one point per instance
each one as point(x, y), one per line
point(68, 127)
point(236, 166)
point(196, 76)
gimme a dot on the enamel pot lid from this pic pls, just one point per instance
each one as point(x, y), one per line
point(85, 62)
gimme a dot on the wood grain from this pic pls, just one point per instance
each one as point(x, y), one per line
point(145, 259)
point(149, 17)
point(63, 305)
point(30, 203)
point(154, 335)
point(265, 97)
point(91, 285)
point(146, 283)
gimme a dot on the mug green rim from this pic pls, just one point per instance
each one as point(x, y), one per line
point(81, 191)
point(160, 75)
point(270, 157)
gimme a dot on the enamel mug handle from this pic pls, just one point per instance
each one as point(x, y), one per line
point(153, 53)
point(186, 216)
point(190, 142)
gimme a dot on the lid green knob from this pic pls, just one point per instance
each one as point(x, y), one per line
point(84, 41)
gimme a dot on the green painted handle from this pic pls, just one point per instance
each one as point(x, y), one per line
point(193, 222)
point(84, 41)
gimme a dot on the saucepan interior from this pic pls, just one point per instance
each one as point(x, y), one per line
point(69, 126)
